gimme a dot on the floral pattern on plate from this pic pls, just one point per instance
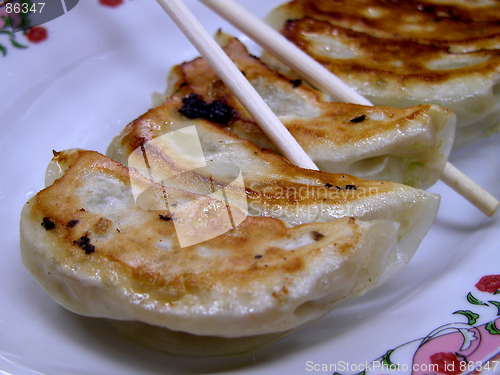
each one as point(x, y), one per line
point(6, 20)
point(11, 14)
point(452, 349)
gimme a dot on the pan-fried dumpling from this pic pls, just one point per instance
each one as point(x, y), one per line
point(400, 55)
point(460, 26)
point(98, 252)
point(409, 145)
point(273, 186)
point(182, 268)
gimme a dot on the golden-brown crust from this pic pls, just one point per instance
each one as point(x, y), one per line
point(250, 253)
point(455, 9)
point(448, 25)
point(98, 253)
point(405, 61)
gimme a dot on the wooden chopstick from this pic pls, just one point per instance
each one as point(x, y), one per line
point(469, 189)
point(316, 74)
point(237, 83)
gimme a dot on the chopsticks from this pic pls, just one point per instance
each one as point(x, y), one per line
point(313, 72)
point(237, 83)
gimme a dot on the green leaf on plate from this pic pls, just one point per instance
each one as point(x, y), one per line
point(497, 304)
point(3, 50)
point(386, 360)
point(491, 328)
point(472, 317)
point(17, 45)
point(497, 292)
point(474, 300)
point(9, 33)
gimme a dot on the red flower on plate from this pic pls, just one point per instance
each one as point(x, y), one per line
point(448, 363)
point(490, 284)
point(37, 34)
point(111, 3)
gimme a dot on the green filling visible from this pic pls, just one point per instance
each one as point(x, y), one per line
point(414, 165)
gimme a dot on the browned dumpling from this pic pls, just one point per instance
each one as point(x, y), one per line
point(406, 53)
point(99, 252)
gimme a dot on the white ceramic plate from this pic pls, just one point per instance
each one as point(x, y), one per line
point(95, 73)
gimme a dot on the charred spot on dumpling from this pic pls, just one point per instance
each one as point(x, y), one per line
point(316, 236)
point(358, 119)
point(165, 218)
point(195, 107)
point(350, 187)
point(84, 243)
point(72, 223)
point(220, 112)
point(48, 224)
point(296, 83)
